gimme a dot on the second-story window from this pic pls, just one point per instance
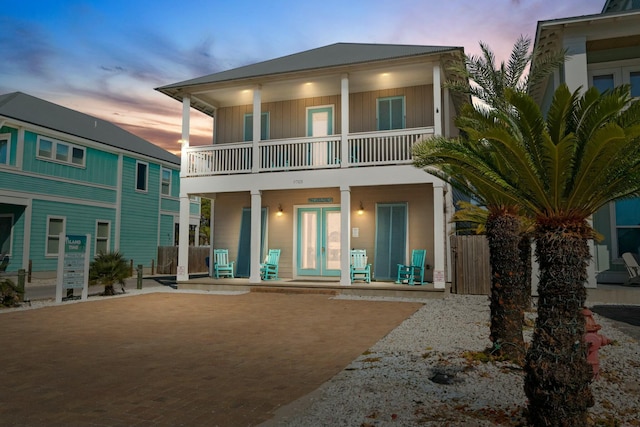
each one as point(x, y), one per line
point(5, 145)
point(61, 152)
point(166, 182)
point(142, 176)
point(248, 127)
point(390, 112)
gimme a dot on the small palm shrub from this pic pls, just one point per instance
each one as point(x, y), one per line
point(108, 269)
point(10, 295)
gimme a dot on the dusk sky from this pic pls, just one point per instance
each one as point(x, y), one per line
point(105, 58)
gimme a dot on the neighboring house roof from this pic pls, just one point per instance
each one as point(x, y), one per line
point(332, 56)
point(620, 5)
point(29, 109)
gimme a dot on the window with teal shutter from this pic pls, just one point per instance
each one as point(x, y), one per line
point(390, 113)
point(248, 127)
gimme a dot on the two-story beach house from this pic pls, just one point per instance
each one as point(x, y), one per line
point(311, 154)
point(62, 171)
point(603, 51)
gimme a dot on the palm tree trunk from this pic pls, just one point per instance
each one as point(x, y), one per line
point(524, 247)
point(557, 375)
point(507, 315)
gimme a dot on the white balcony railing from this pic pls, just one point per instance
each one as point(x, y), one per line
point(364, 149)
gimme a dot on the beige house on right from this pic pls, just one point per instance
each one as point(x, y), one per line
point(603, 51)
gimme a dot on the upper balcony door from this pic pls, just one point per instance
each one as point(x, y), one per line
point(320, 123)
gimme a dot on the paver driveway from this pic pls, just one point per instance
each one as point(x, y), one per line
point(170, 359)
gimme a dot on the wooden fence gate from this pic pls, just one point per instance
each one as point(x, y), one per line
point(470, 265)
point(168, 259)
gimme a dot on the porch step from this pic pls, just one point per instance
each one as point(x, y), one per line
point(294, 290)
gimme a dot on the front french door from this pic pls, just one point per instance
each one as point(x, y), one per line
point(318, 246)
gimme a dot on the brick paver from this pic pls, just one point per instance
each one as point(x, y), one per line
point(179, 359)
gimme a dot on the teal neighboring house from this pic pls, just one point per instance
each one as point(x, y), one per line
point(62, 171)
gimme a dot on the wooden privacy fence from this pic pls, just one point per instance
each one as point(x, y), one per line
point(168, 259)
point(470, 265)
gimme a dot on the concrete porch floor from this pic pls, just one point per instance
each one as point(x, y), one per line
point(315, 286)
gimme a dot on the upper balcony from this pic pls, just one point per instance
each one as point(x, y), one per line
point(393, 147)
point(339, 106)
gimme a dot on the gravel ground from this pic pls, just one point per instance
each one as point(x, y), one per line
point(390, 384)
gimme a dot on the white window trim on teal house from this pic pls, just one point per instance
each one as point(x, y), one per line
point(165, 184)
point(57, 153)
point(102, 239)
point(56, 237)
point(390, 100)
point(10, 217)
point(247, 128)
point(146, 176)
point(5, 148)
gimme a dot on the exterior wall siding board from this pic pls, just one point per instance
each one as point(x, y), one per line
point(98, 169)
point(140, 210)
point(167, 204)
point(166, 230)
point(35, 185)
point(288, 118)
point(79, 219)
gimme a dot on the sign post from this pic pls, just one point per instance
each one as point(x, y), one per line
point(73, 264)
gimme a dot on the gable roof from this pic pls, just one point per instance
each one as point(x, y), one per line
point(29, 109)
point(338, 54)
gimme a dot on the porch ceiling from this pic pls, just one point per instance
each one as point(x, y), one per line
point(314, 84)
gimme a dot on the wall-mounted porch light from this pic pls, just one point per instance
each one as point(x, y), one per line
point(280, 211)
point(361, 210)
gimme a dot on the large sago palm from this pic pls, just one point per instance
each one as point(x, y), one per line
point(482, 78)
point(561, 169)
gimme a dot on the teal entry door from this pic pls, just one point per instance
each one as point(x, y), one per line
point(318, 241)
point(243, 261)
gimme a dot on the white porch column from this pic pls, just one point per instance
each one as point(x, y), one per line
point(437, 100)
point(576, 76)
point(211, 224)
point(344, 118)
point(575, 67)
point(183, 239)
point(345, 236)
point(256, 232)
point(257, 128)
point(184, 140)
point(439, 231)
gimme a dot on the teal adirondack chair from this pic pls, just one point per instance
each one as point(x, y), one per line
point(413, 273)
point(222, 267)
point(360, 270)
point(269, 268)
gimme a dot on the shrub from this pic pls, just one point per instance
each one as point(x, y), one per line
point(108, 269)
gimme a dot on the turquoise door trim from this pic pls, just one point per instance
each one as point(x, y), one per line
point(391, 239)
point(319, 110)
point(243, 261)
point(318, 241)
